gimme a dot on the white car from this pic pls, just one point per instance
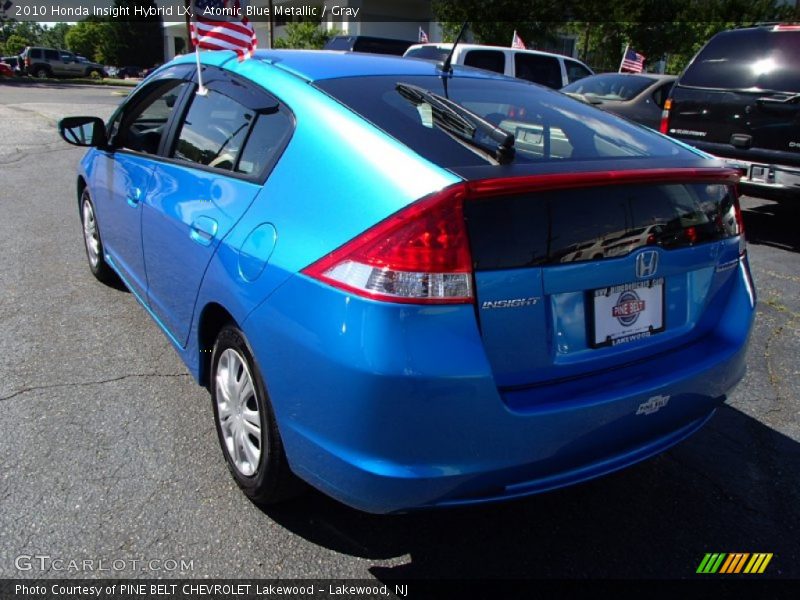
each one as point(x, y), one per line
point(551, 70)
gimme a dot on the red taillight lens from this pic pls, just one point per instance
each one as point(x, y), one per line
point(663, 126)
point(418, 255)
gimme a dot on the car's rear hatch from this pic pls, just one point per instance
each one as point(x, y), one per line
point(740, 97)
point(581, 273)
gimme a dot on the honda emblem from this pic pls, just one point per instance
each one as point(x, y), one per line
point(647, 264)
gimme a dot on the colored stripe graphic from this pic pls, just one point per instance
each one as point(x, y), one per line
point(758, 563)
point(724, 563)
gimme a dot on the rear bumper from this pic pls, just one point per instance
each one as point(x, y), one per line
point(393, 407)
point(761, 169)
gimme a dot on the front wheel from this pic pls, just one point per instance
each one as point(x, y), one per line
point(92, 242)
point(246, 426)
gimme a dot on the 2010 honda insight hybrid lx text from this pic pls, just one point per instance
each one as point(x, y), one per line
point(393, 276)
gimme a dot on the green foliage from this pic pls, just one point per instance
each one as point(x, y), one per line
point(676, 29)
point(305, 35)
point(494, 21)
point(16, 44)
point(86, 38)
point(134, 41)
point(55, 36)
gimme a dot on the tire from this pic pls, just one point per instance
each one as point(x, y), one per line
point(246, 427)
point(41, 73)
point(93, 244)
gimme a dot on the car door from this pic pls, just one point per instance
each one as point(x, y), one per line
point(136, 133)
point(71, 66)
point(209, 179)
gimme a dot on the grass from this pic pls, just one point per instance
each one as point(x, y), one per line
point(79, 81)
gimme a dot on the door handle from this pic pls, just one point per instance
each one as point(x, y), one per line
point(203, 230)
point(134, 197)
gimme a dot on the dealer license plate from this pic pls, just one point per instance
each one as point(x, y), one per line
point(627, 312)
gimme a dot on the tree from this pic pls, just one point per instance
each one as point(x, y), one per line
point(137, 40)
point(16, 44)
point(304, 34)
point(86, 38)
point(55, 36)
point(538, 22)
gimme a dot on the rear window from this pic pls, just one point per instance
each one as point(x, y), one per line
point(428, 53)
point(611, 87)
point(339, 43)
point(747, 59)
point(547, 126)
point(566, 226)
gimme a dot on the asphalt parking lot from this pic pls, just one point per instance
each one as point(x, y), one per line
point(108, 449)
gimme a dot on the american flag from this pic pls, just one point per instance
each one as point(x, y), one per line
point(632, 61)
point(228, 32)
point(516, 41)
point(423, 37)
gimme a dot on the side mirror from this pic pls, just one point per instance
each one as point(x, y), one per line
point(83, 131)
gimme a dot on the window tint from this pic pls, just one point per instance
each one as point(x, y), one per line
point(214, 131)
point(611, 86)
point(546, 125)
point(51, 55)
point(489, 60)
point(269, 134)
point(544, 70)
point(748, 58)
point(567, 226)
point(428, 53)
point(575, 71)
point(662, 93)
point(142, 125)
point(339, 43)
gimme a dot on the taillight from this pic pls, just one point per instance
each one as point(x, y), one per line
point(663, 127)
point(418, 255)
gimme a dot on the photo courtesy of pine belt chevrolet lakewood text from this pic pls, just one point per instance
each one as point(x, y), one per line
point(412, 284)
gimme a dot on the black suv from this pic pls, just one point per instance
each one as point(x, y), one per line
point(739, 99)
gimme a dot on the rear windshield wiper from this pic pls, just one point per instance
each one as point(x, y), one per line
point(461, 122)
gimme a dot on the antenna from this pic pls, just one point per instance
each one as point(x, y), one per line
point(447, 66)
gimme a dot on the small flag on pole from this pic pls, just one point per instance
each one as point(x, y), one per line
point(423, 37)
point(632, 61)
point(516, 41)
point(223, 25)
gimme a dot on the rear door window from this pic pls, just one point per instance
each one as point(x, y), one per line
point(488, 60)
point(544, 70)
point(748, 58)
point(575, 70)
point(214, 131)
point(51, 55)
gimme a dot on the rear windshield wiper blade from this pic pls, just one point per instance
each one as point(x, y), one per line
point(461, 122)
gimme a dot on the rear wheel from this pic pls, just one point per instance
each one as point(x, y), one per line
point(246, 426)
point(41, 73)
point(93, 243)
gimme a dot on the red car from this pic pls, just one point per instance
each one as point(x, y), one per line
point(6, 70)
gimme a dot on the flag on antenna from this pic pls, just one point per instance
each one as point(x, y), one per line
point(223, 25)
point(423, 37)
point(516, 41)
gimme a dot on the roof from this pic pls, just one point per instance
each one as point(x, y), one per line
point(314, 65)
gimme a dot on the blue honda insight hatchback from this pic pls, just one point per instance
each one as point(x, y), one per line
point(413, 287)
